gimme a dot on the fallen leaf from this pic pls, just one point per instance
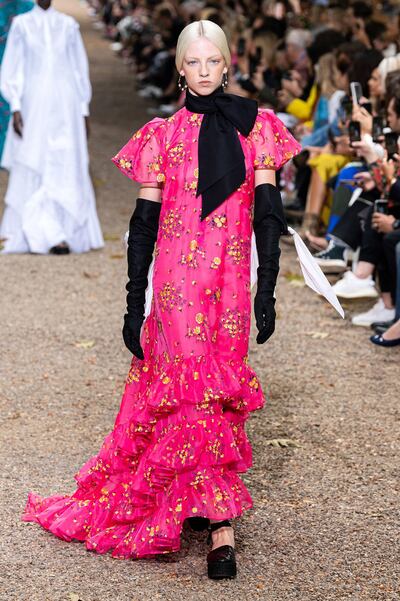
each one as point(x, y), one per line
point(297, 283)
point(318, 335)
point(112, 237)
point(85, 344)
point(282, 442)
point(117, 256)
point(74, 597)
point(290, 276)
point(15, 415)
point(294, 279)
point(88, 275)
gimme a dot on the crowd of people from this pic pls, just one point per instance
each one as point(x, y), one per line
point(330, 69)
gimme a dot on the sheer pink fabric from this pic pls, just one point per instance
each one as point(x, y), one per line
point(179, 442)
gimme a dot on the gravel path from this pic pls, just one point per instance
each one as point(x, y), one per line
point(326, 518)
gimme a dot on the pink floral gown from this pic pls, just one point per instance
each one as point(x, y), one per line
point(179, 442)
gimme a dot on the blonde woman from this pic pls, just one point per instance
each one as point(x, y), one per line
point(207, 180)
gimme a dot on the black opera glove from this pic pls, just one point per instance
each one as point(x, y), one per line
point(143, 229)
point(269, 224)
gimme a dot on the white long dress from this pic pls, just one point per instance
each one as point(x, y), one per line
point(50, 197)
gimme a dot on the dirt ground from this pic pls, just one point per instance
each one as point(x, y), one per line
point(325, 522)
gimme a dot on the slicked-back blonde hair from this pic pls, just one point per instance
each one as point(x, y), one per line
point(202, 29)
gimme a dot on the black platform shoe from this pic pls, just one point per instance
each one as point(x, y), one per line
point(221, 561)
point(199, 524)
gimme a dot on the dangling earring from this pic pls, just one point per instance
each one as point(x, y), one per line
point(182, 86)
point(224, 80)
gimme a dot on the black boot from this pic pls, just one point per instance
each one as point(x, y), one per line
point(143, 228)
point(221, 562)
point(268, 224)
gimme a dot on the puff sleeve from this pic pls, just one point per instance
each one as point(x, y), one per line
point(143, 157)
point(273, 145)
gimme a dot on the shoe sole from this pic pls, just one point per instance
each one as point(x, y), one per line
point(220, 571)
point(386, 343)
point(364, 324)
point(355, 295)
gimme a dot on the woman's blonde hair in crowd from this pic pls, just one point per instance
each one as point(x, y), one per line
point(202, 29)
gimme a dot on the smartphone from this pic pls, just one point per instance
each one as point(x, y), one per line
point(347, 107)
point(241, 47)
point(354, 131)
point(391, 143)
point(377, 128)
point(367, 106)
point(356, 92)
point(381, 206)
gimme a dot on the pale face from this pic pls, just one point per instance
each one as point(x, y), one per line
point(375, 84)
point(392, 118)
point(203, 67)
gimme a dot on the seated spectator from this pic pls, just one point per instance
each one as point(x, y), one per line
point(379, 235)
point(388, 334)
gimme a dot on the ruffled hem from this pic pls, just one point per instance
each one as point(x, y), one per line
point(176, 450)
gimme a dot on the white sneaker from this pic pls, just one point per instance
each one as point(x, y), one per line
point(350, 286)
point(377, 313)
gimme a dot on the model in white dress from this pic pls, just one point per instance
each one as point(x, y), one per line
point(44, 76)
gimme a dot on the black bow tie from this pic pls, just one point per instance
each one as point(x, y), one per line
point(222, 166)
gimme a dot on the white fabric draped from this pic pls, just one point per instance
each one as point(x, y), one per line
point(50, 197)
point(312, 273)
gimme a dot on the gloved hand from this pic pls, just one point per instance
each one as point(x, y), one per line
point(143, 229)
point(264, 310)
point(131, 334)
point(269, 223)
